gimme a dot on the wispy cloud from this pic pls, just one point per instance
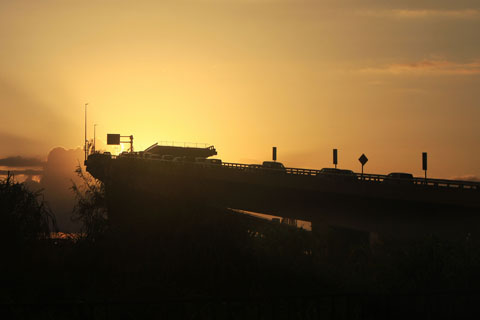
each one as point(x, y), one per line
point(453, 14)
point(468, 177)
point(423, 13)
point(28, 172)
point(20, 161)
point(428, 67)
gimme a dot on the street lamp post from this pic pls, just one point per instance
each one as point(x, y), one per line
point(86, 142)
point(94, 137)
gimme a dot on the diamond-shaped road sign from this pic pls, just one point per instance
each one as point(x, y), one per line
point(363, 159)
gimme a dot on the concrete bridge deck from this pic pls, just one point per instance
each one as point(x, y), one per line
point(134, 186)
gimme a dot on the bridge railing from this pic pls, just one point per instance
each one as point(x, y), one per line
point(373, 178)
point(366, 177)
point(184, 144)
point(240, 166)
point(303, 172)
point(448, 183)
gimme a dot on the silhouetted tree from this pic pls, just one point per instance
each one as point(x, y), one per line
point(90, 208)
point(24, 215)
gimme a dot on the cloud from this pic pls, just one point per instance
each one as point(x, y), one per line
point(451, 14)
point(55, 176)
point(468, 177)
point(27, 172)
point(14, 143)
point(470, 14)
point(428, 67)
point(19, 161)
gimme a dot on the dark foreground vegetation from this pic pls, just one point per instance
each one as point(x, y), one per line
point(208, 261)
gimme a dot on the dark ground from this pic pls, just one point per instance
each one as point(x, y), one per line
point(204, 261)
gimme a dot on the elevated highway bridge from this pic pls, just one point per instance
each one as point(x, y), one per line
point(364, 202)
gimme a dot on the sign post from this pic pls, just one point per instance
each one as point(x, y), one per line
point(335, 157)
point(94, 137)
point(114, 139)
point(424, 165)
point(274, 153)
point(363, 160)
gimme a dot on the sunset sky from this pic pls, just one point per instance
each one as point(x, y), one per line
point(390, 79)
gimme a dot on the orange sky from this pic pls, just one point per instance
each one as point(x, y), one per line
point(388, 80)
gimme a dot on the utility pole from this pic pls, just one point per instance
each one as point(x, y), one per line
point(335, 157)
point(424, 164)
point(86, 142)
point(94, 137)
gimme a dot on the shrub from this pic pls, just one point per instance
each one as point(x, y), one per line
point(90, 208)
point(24, 215)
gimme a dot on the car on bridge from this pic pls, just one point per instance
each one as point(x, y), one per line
point(253, 167)
point(214, 162)
point(208, 162)
point(184, 159)
point(399, 178)
point(278, 166)
point(167, 157)
point(127, 154)
point(148, 155)
point(337, 174)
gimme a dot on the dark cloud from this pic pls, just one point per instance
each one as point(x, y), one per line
point(18, 144)
point(414, 4)
point(429, 67)
point(27, 172)
point(20, 161)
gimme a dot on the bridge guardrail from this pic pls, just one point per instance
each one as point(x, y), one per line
point(367, 177)
point(371, 177)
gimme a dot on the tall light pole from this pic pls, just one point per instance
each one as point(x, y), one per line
point(86, 142)
point(94, 137)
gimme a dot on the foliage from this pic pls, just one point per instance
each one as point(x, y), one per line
point(24, 215)
point(90, 207)
point(182, 249)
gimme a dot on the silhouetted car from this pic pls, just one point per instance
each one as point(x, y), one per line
point(253, 167)
point(208, 162)
point(398, 178)
point(105, 154)
point(152, 156)
point(127, 154)
point(215, 162)
point(274, 165)
point(337, 174)
point(184, 159)
point(167, 157)
point(99, 156)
